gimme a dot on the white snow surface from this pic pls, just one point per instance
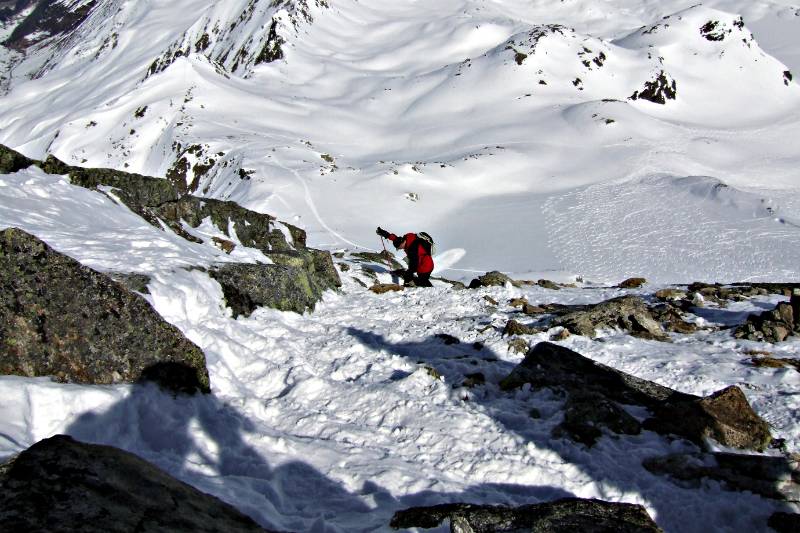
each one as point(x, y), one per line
point(419, 116)
point(500, 127)
point(333, 420)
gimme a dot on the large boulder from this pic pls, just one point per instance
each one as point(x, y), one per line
point(62, 485)
point(62, 319)
point(629, 313)
point(724, 416)
point(565, 515)
point(288, 287)
point(771, 477)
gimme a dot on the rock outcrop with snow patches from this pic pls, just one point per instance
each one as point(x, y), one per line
point(229, 161)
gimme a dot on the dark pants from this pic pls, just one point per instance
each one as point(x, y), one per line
point(418, 280)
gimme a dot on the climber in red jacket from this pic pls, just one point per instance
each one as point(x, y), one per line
point(418, 250)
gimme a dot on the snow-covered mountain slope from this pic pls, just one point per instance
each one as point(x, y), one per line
point(483, 123)
point(333, 420)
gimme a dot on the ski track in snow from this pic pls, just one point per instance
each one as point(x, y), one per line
point(331, 421)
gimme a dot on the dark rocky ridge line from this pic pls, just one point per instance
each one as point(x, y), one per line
point(295, 281)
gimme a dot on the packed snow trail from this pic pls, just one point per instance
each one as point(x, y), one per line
point(335, 419)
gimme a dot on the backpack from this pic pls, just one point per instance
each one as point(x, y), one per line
point(427, 242)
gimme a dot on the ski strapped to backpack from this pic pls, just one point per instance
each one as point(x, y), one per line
point(427, 238)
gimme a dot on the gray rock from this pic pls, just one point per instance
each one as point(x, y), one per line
point(296, 281)
point(772, 477)
point(565, 515)
point(629, 313)
point(62, 319)
point(293, 285)
point(725, 416)
point(490, 279)
point(62, 485)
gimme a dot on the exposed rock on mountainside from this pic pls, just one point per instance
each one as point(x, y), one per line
point(658, 91)
point(627, 312)
point(49, 19)
point(11, 161)
point(568, 514)
point(771, 326)
point(62, 319)
point(725, 416)
point(60, 485)
point(295, 282)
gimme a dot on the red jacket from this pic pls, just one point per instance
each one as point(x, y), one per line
point(417, 250)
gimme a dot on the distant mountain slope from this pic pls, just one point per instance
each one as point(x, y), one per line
point(464, 118)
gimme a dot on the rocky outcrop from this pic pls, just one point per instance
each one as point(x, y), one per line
point(565, 515)
point(294, 283)
point(772, 477)
point(725, 416)
point(62, 485)
point(11, 161)
point(632, 283)
point(490, 279)
point(629, 313)
point(62, 319)
point(771, 326)
point(298, 276)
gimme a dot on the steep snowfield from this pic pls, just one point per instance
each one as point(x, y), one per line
point(418, 116)
point(333, 420)
point(479, 122)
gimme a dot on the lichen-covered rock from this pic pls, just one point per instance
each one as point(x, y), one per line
point(294, 283)
point(629, 313)
point(62, 485)
point(162, 204)
point(725, 416)
point(772, 477)
point(62, 319)
point(565, 515)
point(12, 161)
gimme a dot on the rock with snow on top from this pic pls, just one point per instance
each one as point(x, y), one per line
point(62, 319)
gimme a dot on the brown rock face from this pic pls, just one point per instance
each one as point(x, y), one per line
point(725, 416)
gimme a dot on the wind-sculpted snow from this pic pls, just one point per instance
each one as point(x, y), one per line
point(698, 226)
